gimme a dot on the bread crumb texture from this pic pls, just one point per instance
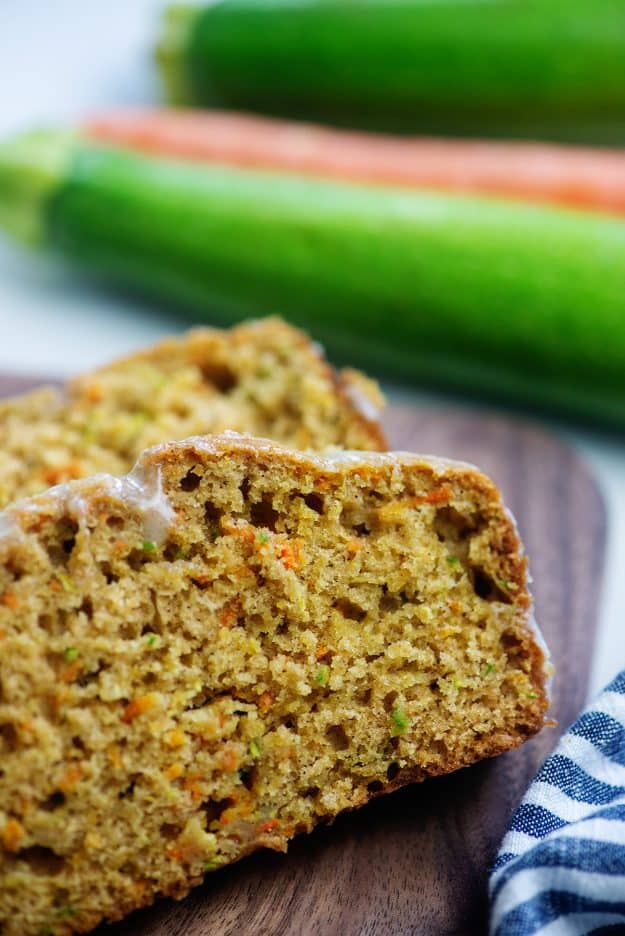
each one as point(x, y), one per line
point(264, 378)
point(234, 644)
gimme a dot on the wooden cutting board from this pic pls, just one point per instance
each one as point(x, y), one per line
point(416, 862)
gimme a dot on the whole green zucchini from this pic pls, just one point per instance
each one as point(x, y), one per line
point(491, 298)
point(541, 68)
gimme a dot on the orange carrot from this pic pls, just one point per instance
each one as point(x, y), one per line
point(174, 738)
point(192, 785)
point(59, 697)
point(437, 496)
point(290, 555)
point(229, 759)
point(60, 473)
point(115, 757)
point(12, 835)
point(138, 706)
point(174, 771)
point(229, 614)
point(94, 392)
point(69, 673)
point(175, 852)
point(265, 701)
point(70, 778)
point(582, 177)
point(10, 600)
point(354, 546)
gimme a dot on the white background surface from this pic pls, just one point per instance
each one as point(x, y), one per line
point(61, 59)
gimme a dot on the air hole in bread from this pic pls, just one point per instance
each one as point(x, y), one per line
point(392, 770)
point(357, 518)
point(350, 609)
point(249, 777)
point(390, 601)
point(198, 700)
point(86, 679)
point(15, 568)
point(47, 623)
point(61, 547)
point(42, 860)
point(55, 801)
point(110, 577)
point(262, 514)
point(155, 626)
point(128, 630)
point(512, 646)
point(212, 516)
point(9, 740)
point(337, 737)
point(212, 512)
point(68, 545)
point(439, 747)
point(129, 789)
point(191, 481)
point(138, 557)
point(170, 831)
point(523, 729)
point(314, 502)
point(486, 587)
point(214, 809)
point(173, 551)
point(389, 701)
point(218, 375)
point(451, 525)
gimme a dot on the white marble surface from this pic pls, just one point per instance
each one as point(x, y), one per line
point(60, 59)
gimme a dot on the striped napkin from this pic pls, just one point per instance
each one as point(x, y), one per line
point(560, 870)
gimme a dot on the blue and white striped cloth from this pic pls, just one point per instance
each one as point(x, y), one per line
point(561, 867)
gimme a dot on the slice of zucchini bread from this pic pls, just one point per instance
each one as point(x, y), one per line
point(233, 643)
point(265, 378)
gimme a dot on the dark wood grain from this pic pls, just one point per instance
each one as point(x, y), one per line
point(416, 862)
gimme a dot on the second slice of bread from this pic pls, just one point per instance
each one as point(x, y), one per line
point(264, 378)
